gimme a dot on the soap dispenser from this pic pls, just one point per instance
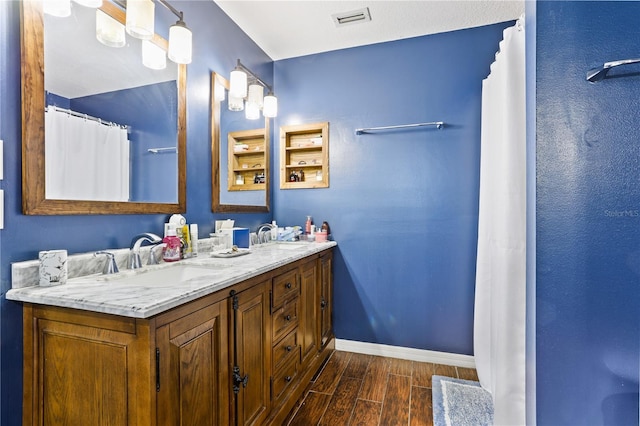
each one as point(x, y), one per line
point(171, 250)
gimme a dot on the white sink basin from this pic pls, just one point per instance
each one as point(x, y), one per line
point(169, 275)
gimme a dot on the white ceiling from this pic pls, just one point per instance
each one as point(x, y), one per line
point(286, 29)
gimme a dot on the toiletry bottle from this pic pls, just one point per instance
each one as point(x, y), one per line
point(193, 228)
point(274, 230)
point(171, 251)
point(307, 225)
point(186, 238)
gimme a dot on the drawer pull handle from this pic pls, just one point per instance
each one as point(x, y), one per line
point(287, 379)
point(288, 285)
point(287, 318)
point(288, 348)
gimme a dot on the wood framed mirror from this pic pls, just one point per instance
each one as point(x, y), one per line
point(250, 194)
point(34, 103)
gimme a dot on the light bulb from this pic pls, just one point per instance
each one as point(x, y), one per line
point(140, 19)
point(153, 56)
point(180, 43)
point(109, 31)
point(238, 84)
point(270, 108)
point(256, 94)
point(235, 103)
point(57, 8)
point(89, 3)
point(252, 111)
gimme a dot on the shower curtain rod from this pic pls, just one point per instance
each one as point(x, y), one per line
point(85, 116)
point(438, 124)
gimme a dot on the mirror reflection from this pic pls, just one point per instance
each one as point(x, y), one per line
point(240, 155)
point(111, 123)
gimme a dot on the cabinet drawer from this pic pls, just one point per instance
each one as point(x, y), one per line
point(285, 318)
point(281, 381)
point(285, 348)
point(285, 286)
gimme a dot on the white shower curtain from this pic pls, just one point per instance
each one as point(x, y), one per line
point(499, 323)
point(86, 160)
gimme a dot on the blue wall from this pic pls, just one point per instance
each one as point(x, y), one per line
point(217, 44)
point(402, 205)
point(588, 215)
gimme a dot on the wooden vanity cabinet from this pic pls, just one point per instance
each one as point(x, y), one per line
point(240, 356)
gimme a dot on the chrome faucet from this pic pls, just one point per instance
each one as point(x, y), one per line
point(136, 243)
point(264, 233)
point(111, 267)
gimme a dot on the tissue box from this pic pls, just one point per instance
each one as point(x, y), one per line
point(239, 236)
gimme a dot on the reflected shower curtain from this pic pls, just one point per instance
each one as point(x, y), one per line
point(86, 160)
point(499, 317)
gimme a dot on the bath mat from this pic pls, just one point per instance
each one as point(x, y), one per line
point(458, 402)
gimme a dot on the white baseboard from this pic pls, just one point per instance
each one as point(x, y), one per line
point(405, 353)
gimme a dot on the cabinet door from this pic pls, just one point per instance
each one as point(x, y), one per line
point(326, 298)
point(192, 359)
point(252, 356)
point(83, 374)
point(310, 294)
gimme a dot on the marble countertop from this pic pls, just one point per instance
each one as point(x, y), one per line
point(144, 298)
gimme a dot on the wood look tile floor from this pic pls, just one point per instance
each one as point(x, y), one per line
point(367, 390)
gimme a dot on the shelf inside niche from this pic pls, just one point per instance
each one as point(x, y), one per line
point(304, 156)
point(247, 167)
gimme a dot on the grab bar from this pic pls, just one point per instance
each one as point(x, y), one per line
point(597, 74)
point(438, 124)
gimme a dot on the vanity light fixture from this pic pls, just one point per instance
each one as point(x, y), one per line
point(254, 94)
point(140, 24)
point(140, 20)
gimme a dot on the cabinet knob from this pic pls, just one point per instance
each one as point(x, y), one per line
point(287, 318)
point(287, 379)
point(323, 304)
point(288, 348)
point(288, 285)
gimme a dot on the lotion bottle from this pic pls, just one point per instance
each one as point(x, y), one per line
point(193, 230)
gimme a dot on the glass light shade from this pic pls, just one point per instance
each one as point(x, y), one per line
point(109, 31)
point(238, 84)
point(89, 3)
point(153, 56)
point(140, 18)
point(58, 8)
point(270, 108)
point(220, 92)
point(252, 111)
point(256, 94)
point(180, 43)
point(235, 103)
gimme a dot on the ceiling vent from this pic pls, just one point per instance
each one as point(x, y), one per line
point(353, 17)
